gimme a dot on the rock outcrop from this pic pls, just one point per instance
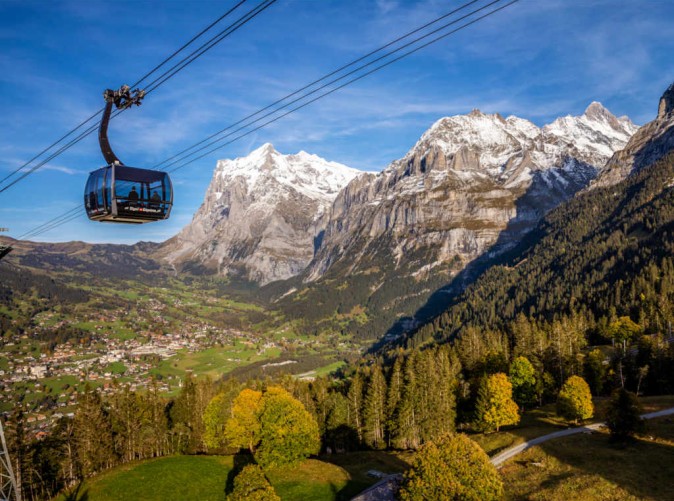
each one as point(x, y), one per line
point(649, 144)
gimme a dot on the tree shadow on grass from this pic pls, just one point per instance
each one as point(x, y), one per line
point(241, 459)
point(76, 494)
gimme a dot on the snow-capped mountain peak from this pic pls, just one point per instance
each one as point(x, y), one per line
point(472, 185)
point(261, 215)
point(494, 146)
point(489, 137)
point(309, 175)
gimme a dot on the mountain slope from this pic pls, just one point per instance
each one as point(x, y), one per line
point(261, 217)
point(608, 252)
point(471, 187)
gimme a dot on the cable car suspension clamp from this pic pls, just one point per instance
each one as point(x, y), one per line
point(124, 97)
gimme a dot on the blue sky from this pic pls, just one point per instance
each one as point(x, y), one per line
point(538, 59)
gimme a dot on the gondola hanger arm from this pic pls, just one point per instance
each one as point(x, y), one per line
point(122, 99)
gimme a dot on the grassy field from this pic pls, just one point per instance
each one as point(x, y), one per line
point(213, 362)
point(542, 421)
point(205, 478)
point(589, 466)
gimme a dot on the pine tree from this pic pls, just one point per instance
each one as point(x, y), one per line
point(443, 410)
point(355, 397)
point(339, 436)
point(319, 390)
point(407, 433)
point(624, 415)
point(374, 416)
point(595, 371)
point(157, 422)
point(393, 397)
point(93, 434)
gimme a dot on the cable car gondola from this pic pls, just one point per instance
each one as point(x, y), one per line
point(119, 193)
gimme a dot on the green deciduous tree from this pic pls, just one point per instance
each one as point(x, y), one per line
point(495, 406)
point(575, 400)
point(451, 468)
point(623, 330)
point(523, 378)
point(251, 485)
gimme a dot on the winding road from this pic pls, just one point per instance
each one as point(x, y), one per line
point(502, 457)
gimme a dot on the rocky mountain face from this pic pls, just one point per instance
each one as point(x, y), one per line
point(468, 179)
point(471, 186)
point(262, 216)
point(653, 141)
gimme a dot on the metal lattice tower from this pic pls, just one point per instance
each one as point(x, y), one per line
point(4, 249)
point(8, 488)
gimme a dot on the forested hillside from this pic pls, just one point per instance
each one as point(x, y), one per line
point(606, 254)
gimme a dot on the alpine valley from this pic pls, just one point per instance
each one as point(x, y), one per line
point(492, 246)
point(353, 252)
point(323, 249)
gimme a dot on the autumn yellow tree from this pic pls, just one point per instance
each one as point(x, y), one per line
point(495, 406)
point(451, 468)
point(575, 400)
point(243, 427)
point(288, 432)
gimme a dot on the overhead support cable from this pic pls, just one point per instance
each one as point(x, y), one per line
point(70, 215)
point(186, 61)
point(323, 78)
point(187, 44)
point(184, 158)
point(49, 224)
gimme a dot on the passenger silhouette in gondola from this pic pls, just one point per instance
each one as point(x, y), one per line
point(155, 200)
point(133, 197)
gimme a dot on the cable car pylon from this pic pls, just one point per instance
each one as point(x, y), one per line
point(9, 490)
point(4, 250)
